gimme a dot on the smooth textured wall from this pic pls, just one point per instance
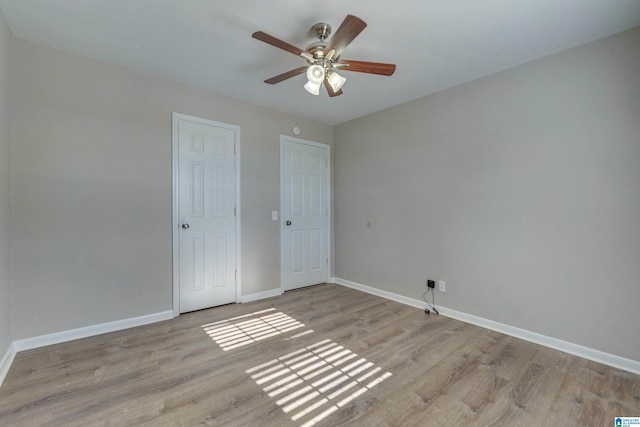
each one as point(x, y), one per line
point(92, 188)
point(521, 190)
point(5, 190)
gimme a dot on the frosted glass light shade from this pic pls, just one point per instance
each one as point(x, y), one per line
point(312, 88)
point(336, 81)
point(315, 74)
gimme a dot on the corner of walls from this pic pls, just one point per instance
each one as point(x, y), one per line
point(5, 198)
point(6, 361)
point(75, 334)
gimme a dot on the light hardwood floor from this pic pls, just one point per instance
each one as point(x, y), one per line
point(324, 355)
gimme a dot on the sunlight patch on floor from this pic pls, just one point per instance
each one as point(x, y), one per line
point(249, 328)
point(312, 382)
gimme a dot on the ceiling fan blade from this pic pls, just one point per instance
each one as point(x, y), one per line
point(367, 67)
point(285, 76)
point(276, 42)
point(330, 89)
point(348, 30)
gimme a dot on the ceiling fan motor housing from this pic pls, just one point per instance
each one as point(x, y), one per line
point(317, 49)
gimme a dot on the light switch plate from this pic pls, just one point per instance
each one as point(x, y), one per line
point(274, 215)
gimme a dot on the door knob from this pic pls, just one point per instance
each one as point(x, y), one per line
point(288, 223)
point(185, 226)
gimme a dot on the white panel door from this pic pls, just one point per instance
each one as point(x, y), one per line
point(305, 213)
point(206, 215)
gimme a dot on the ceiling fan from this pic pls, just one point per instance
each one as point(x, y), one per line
point(323, 57)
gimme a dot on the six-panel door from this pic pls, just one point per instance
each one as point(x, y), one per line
point(207, 215)
point(305, 214)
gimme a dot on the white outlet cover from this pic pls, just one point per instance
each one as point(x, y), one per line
point(274, 215)
point(442, 286)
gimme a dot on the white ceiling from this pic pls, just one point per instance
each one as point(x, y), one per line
point(436, 44)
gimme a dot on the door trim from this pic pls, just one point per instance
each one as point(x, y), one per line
point(326, 147)
point(175, 221)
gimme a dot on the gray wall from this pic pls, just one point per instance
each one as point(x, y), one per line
point(5, 190)
point(521, 190)
point(92, 188)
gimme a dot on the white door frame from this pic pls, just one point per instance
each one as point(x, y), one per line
point(328, 150)
point(175, 223)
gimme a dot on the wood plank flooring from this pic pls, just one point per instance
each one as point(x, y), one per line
point(324, 355)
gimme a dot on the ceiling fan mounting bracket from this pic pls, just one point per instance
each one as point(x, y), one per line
point(321, 30)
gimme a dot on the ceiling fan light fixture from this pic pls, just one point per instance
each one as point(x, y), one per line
point(336, 81)
point(323, 57)
point(315, 74)
point(313, 88)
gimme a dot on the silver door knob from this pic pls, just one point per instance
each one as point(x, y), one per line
point(288, 223)
point(185, 226)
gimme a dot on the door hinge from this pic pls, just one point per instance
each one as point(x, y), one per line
point(234, 211)
point(234, 148)
point(327, 261)
point(326, 163)
point(326, 213)
point(235, 274)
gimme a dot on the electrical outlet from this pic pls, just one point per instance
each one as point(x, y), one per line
point(274, 215)
point(442, 286)
point(431, 284)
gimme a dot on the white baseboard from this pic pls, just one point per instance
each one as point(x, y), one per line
point(89, 331)
point(262, 295)
point(74, 334)
point(379, 292)
point(5, 364)
point(534, 337)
